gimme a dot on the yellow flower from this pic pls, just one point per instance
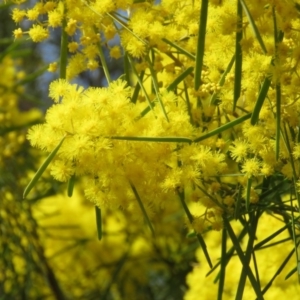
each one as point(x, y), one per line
point(71, 27)
point(73, 46)
point(18, 33)
point(61, 170)
point(239, 151)
point(18, 15)
point(55, 18)
point(296, 151)
point(32, 14)
point(115, 52)
point(38, 33)
point(58, 89)
point(52, 67)
point(251, 167)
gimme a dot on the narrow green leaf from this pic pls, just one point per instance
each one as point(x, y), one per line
point(238, 204)
point(252, 227)
point(222, 80)
point(270, 237)
point(171, 87)
point(238, 56)
point(248, 193)
point(140, 82)
point(98, 222)
point(137, 88)
point(63, 50)
point(153, 139)
point(156, 87)
point(137, 196)
point(268, 285)
point(229, 254)
point(103, 62)
point(114, 16)
point(253, 26)
point(222, 128)
point(289, 274)
point(180, 50)
point(242, 258)
point(31, 77)
point(42, 169)
point(278, 88)
point(188, 103)
point(223, 265)
point(11, 47)
point(201, 43)
point(71, 184)
point(260, 100)
point(127, 70)
point(191, 219)
point(292, 161)
point(146, 110)
point(296, 243)
point(180, 78)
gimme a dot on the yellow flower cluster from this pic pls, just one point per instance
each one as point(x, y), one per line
point(92, 118)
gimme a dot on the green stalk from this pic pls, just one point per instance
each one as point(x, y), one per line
point(141, 205)
point(156, 87)
point(165, 139)
point(243, 260)
point(98, 222)
point(248, 193)
point(295, 243)
point(191, 219)
point(63, 50)
point(127, 69)
point(201, 43)
point(42, 169)
point(223, 265)
point(222, 128)
point(269, 238)
point(260, 100)
point(269, 284)
point(180, 50)
point(137, 88)
point(229, 254)
point(288, 146)
point(253, 26)
point(188, 103)
point(140, 81)
point(31, 77)
point(222, 80)
point(103, 63)
point(71, 183)
point(238, 56)
point(180, 78)
point(252, 226)
point(238, 203)
point(278, 87)
point(278, 120)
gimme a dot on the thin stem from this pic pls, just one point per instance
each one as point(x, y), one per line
point(223, 264)
point(63, 51)
point(137, 196)
point(191, 219)
point(201, 43)
point(238, 56)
